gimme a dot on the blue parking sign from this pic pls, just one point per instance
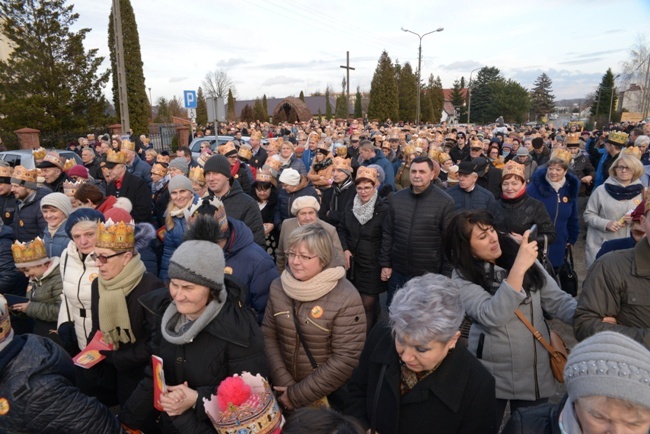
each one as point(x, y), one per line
point(189, 97)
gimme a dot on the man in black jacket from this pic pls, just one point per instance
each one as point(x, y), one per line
point(412, 237)
point(28, 220)
point(7, 199)
point(91, 163)
point(340, 194)
point(52, 170)
point(468, 194)
point(124, 184)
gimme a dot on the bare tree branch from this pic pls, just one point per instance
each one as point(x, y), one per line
point(217, 84)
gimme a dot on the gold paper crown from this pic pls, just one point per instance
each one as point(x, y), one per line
point(562, 154)
point(53, 157)
point(127, 145)
point(433, 153)
point(618, 138)
point(475, 143)
point(160, 169)
point(23, 174)
point(368, 173)
point(120, 236)
point(573, 139)
point(245, 152)
point(256, 135)
point(322, 146)
point(163, 158)
point(272, 163)
point(378, 138)
point(264, 176)
point(450, 137)
point(408, 150)
point(512, 168)
point(632, 150)
point(69, 164)
point(341, 163)
point(341, 151)
point(272, 146)
point(39, 153)
point(6, 171)
point(442, 157)
point(29, 254)
point(227, 149)
point(72, 186)
point(196, 175)
point(118, 157)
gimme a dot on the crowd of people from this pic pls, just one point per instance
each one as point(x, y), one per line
point(268, 256)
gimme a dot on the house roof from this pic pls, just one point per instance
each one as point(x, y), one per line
point(314, 103)
point(447, 93)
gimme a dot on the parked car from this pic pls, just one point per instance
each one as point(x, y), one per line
point(195, 146)
point(25, 158)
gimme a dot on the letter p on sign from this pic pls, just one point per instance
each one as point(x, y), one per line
point(189, 97)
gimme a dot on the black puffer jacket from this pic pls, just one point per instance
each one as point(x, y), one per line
point(36, 379)
point(518, 215)
point(242, 207)
point(542, 419)
point(28, 220)
point(7, 208)
point(364, 241)
point(413, 228)
point(11, 280)
point(335, 201)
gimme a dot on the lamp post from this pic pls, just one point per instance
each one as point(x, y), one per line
point(440, 29)
point(469, 92)
point(611, 99)
point(151, 105)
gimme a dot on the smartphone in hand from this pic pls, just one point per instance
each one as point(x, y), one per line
point(532, 236)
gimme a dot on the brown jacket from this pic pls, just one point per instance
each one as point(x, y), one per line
point(321, 178)
point(334, 327)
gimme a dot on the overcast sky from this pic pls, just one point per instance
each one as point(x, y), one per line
point(280, 47)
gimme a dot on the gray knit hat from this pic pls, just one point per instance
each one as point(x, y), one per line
point(199, 262)
point(59, 201)
point(609, 364)
point(180, 182)
point(180, 163)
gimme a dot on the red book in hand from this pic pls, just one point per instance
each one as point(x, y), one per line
point(90, 356)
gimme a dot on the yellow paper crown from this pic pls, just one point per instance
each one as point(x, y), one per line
point(632, 150)
point(197, 175)
point(227, 149)
point(53, 157)
point(245, 152)
point(573, 139)
point(6, 171)
point(368, 173)
point(29, 254)
point(264, 176)
point(256, 135)
point(618, 138)
point(272, 163)
point(69, 164)
point(118, 157)
point(442, 157)
point(23, 174)
point(39, 153)
point(341, 163)
point(408, 150)
point(322, 146)
point(120, 236)
point(433, 153)
point(127, 145)
point(475, 143)
point(562, 154)
point(512, 168)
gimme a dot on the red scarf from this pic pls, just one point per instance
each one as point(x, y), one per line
point(234, 169)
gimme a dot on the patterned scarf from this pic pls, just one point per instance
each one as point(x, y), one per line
point(364, 211)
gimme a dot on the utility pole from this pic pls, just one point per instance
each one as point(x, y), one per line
point(348, 68)
point(121, 70)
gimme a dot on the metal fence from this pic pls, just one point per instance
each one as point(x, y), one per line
point(163, 136)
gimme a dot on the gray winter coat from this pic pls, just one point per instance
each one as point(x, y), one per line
point(519, 363)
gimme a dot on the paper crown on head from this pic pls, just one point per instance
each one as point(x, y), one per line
point(512, 168)
point(273, 166)
point(127, 145)
point(341, 163)
point(442, 157)
point(256, 135)
point(70, 187)
point(341, 151)
point(368, 173)
point(29, 254)
point(159, 169)
point(39, 153)
point(227, 149)
point(617, 138)
point(265, 176)
point(273, 145)
point(21, 173)
point(214, 208)
point(197, 175)
point(408, 150)
point(573, 139)
point(160, 158)
point(245, 152)
point(507, 140)
point(562, 154)
point(118, 157)
point(244, 404)
point(69, 164)
point(433, 153)
point(323, 147)
point(475, 143)
point(115, 236)
point(632, 150)
point(451, 137)
point(53, 157)
point(6, 171)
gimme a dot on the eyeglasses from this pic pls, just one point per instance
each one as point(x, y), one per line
point(302, 258)
point(103, 258)
point(365, 188)
point(476, 149)
point(623, 168)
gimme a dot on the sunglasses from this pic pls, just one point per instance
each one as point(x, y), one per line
point(476, 149)
point(103, 258)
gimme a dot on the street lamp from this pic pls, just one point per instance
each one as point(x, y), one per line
point(440, 29)
point(611, 99)
point(151, 105)
point(469, 93)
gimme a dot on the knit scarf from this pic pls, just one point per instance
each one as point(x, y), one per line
point(314, 288)
point(285, 161)
point(364, 211)
point(322, 165)
point(180, 212)
point(556, 185)
point(159, 185)
point(234, 169)
point(114, 321)
point(179, 330)
point(619, 192)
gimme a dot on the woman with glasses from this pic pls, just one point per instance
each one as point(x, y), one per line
point(360, 232)
point(314, 324)
point(609, 210)
point(265, 194)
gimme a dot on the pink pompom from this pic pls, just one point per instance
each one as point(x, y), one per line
point(232, 391)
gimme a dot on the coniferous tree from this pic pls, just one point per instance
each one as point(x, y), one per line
point(436, 95)
point(342, 107)
point(201, 108)
point(603, 98)
point(482, 95)
point(302, 96)
point(246, 114)
point(49, 81)
point(231, 115)
point(176, 108)
point(384, 95)
point(328, 104)
point(358, 110)
point(138, 102)
point(266, 108)
point(426, 107)
point(509, 99)
point(408, 93)
point(163, 116)
point(458, 99)
point(542, 99)
point(258, 111)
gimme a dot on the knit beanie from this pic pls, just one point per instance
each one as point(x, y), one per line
point(197, 261)
point(117, 215)
point(290, 177)
point(522, 152)
point(218, 164)
point(59, 201)
point(79, 171)
point(304, 202)
point(181, 164)
point(82, 214)
point(609, 364)
point(6, 333)
point(180, 182)
point(380, 172)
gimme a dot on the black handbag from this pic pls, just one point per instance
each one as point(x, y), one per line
point(546, 263)
point(567, 273)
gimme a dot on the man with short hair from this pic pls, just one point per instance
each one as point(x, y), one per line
point(134, 165)
point(467, 194)
point(186, 153)
point(613, 146)
point(91, 163)
point(412, 232)
point(28, 219)
point(259, 154)
point(52, 170)
point(540, 154)
point(124, 184)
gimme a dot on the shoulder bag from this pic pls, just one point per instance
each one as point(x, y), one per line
point(557, 349)
point(567, 273)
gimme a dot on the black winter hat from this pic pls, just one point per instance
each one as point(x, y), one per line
point(219, 164)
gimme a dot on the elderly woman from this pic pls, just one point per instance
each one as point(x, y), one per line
point(360, 232)
point(314, 325)
point(56, 207)
point(609, 210)
point(116, 312)
point(150, 156)
point(182, 198)
point(78, 271)
point(413, 376)
point(200, 317)
point(499, 277)
point(558, 191)
point(320, 173)
point(91, 196)
point(293, 187)
point(608, 391)
point(305, 209)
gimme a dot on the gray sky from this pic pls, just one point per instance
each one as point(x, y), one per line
point(280, 47)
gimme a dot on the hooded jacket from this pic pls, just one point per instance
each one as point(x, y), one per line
point(285, 200)
point(173, 239)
